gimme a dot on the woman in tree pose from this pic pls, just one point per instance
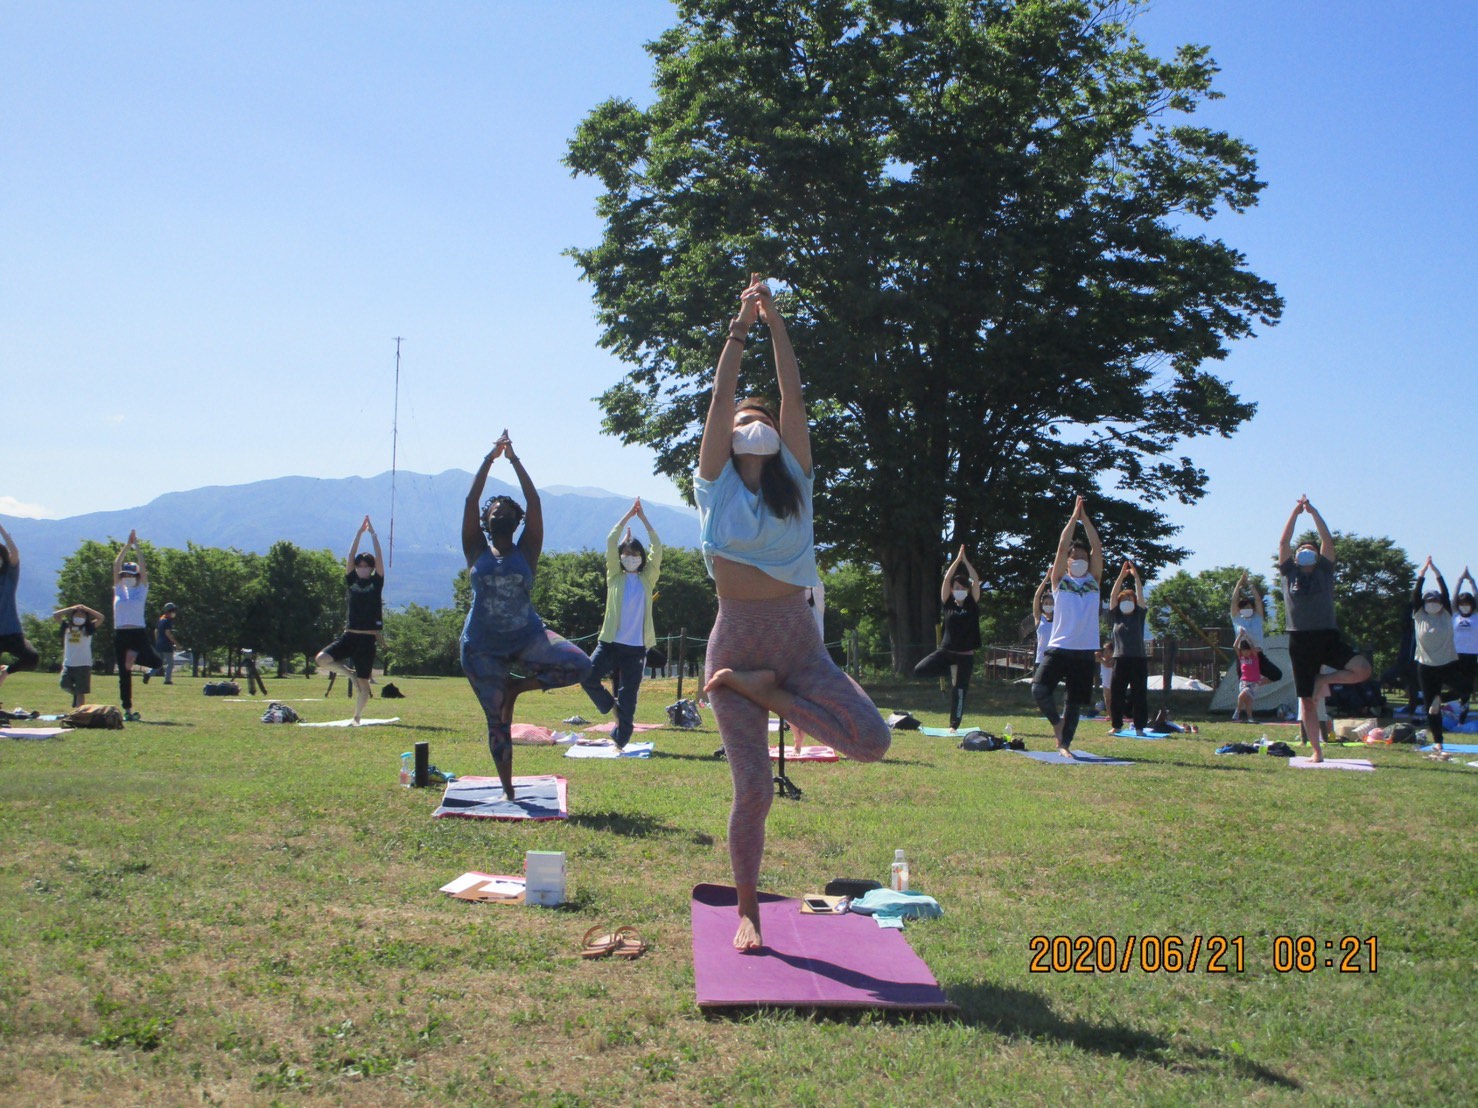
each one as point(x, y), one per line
point(1314, 639)
point(627, 633)
point(753, 489)
point(354, 650)
point(131, 645)
point(1436, 654)
point(1074, 640)
point(12, 636)
point(503, 635)
point(960, 597)
point(1131, 663)
point(1465, 639)
point(1248, 617)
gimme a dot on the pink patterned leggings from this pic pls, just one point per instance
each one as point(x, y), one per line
point(780, 635)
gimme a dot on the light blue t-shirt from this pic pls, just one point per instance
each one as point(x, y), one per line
point(1251, 626)
point(737, 524)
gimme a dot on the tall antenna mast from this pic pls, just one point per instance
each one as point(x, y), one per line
point(394, 450)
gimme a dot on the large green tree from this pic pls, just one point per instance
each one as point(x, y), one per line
point(985, 213)
point(299, 602)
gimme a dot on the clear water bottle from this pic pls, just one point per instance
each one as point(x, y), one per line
point(900, 872)
point(407, 769)
point(1006, 734)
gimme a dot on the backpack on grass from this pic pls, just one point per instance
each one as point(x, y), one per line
point(107, 716)
point(222, 688)
point(279, 713)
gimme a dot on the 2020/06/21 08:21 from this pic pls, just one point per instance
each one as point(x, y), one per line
point(1304, 954)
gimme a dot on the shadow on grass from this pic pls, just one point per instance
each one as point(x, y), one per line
point(157, 723)
point(427, 727)
point(633, 825)
point(1019, 1013)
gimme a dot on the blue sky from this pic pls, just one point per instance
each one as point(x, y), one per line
point(216, 216)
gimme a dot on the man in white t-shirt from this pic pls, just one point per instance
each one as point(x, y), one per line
point(131, 643)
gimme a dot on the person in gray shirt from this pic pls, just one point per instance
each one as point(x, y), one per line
point(1314, 637)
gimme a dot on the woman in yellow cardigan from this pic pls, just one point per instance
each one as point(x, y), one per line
point(627, 634)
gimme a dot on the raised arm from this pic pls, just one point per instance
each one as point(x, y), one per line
point(1119, 582)
point(1326, 540)
point(123, 556)
point(654, 541)
point(1237, 590)
point(718, 429)
point(794, 431)
point(474, 542)
point(1257, 601)
point(354, 546)
point(1095, 560)
point(1418, 588)
point(1285, 541)
point(949, 576)
point(10, 548)
point(1065, 544)
point(1468, 577)
point(531, 541)
point(375, 542)
point(1040, 593)
point(974, 577)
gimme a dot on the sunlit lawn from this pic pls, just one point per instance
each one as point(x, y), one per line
point(205, 908)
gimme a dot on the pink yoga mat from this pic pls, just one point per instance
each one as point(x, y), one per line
point(807, 961)
point(807, 754)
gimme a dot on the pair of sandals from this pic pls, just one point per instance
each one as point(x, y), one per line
point(624, 942)
point(1440, 756)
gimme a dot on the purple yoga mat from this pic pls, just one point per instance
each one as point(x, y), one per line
point(807, 961)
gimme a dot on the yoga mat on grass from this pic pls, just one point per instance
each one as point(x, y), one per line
point(1454, 748)
point(34, 732)
point(351, 723)
point(1080, 758)
point(609, 749)
point(1128, 733)
point(946, 733)
point(807, 754)
point(531, 734)
point(268, 699)
point(808, 961)
point(482, 798)
point(1358, 764)
point(609, 728)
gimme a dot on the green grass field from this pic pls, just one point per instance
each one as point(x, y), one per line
point(206, 909)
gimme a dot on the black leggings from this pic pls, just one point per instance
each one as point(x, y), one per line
point(137, 640)
point(1467, 670)
point(22, 653)
point(1074, 669)
point(1434, 679)
point(1131, 677)
point(937, 665)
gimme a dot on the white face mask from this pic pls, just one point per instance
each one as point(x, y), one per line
point(79, 620)
point(1246, 613)
point(959, 595)
point(1077, 567)
point(363, 572)
point(1465, 609)
point(756, 438)
point(1126, 606)
point(128, 582)
point(1432, 607)
point(631, 562)
point(1047, 610)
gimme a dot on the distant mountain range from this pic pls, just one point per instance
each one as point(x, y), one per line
point(317, 513)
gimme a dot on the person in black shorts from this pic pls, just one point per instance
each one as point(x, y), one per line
point(132, 644)
point(1314, 638)
point(354, 650)
point(12, 638)
point(960, 598)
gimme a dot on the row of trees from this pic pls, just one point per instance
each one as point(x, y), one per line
point(287, 603)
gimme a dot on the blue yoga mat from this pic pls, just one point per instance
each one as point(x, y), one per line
point(1080, 758)
point(945, 733)
point(1128, 733)
point(1455, 748)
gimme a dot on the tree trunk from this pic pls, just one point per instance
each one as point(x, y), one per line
point(911, 595)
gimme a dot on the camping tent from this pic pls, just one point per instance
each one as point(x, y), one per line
point(1267, 697)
